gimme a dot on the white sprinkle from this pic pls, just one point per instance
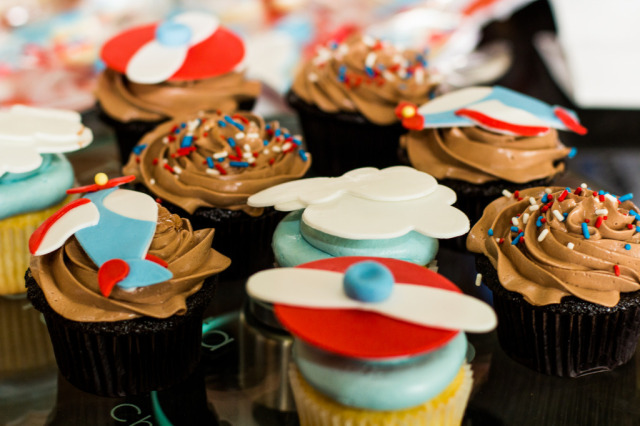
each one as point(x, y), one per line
point(165, 161)
point(247, 155)
point(322, 55)
point(253, 135)
point(534, 207)
point(570, 246)
point(514, 221)
point(265, 151)
point(165, 140)
point(313, 77)
point(402, 73)
point(212, 171)
point(558, 215)
point(343, 49)
point(602, 212)
point(419, 75)
point(239, 136)
point(583, 186)
point(478, 280)
point(543, 234)
point(547, 190)
point(368, 40)
point(193, 124)
point(152, 181)
point(507, 193)
point(286, 146)
point(177, 169)
point(525, 218)
point(219, 155)
point(247, 147)
point(612, 198)
point(497, 240)
point(397, 58)
point(370, 60)
point(532, 201)
point(276, 148)
point(251, 160)
point(388, 75)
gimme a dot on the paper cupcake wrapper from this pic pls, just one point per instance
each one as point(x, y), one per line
point(345, 141)
point(14, 246)
point(570, 339)
point(126, 357)
point(24, 344)
point(446, 409)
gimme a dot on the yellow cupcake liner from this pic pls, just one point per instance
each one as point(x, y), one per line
point(446, 409)
point(14, 246)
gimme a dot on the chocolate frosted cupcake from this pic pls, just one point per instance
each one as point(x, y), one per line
point(123, 299)
point(205, 168)
point(183, 65)
point(563, 267)
point(481, 140)
point(345, 97)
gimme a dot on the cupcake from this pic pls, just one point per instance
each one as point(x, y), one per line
point(563, 268)
point(205, 167)
point(155, 72)
point(345, 98)
point(482, 140)
point(124, 297)
point(33, 178)
point(411, 370)
point(397, 212)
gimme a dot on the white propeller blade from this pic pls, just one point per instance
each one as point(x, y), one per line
point(428, 306)
point(154, 63)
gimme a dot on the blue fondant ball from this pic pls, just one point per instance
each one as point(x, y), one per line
point(173, 34)
point(368, 281)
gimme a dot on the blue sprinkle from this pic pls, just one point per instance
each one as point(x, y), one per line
point(539, 221)
point(516, 240)
point(238, 164)
point(278, 132)
point(297, 141)
point(432, 94)
point(268, 126)
point(222, 123)
point(286, 135)
point(231, 142)
point(572, 153)
point(342, 73)
point(515, 229)
point(545, 197)
point(585, 230)
point(601, 192)
point(490, 232)
point(186, 141)
point(183, 125)
point(210, 162)
point(265, 142)
point(221, 160)
point(303, 154)
point(634, 213)
point(625, 197)
point(233, 122)
point(637, 228)
point(333, 45)
point(381, 67)
point(177, 130)
point(139, 148)
point(565, 214)
point(370, 72)
point(627, 246)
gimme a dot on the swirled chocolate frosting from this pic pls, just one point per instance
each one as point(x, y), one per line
point(217, 160)
point(548, 246)
point(127, 101)
point(69, 278)
point(366, 76)
point(477, 156)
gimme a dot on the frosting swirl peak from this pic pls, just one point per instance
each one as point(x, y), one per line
point(546, 246)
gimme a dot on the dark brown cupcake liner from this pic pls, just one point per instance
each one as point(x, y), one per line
point(568, 339)
point(126, 357)
point(345, 141)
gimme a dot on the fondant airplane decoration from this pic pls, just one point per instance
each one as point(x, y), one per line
point(189, 46)
point(27, 132)
point(114, 227)
point(495, 108)
point(369, 286)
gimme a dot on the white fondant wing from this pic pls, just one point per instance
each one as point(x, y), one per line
point(154, 63)
point(427, 306)
point(15, 159)
point(72, 221)
point(132, 204)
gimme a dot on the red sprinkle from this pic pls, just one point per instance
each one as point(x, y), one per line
point(137, 159)
point(550, 198)
point(159, 200)
point(630, 226)
point(578, 191)
point(205, 134)
point(155, 161)
point(234, 158)
point(563, 195)
point(543, 220)
point(545, 208)
point(272, 160)
point(220, 169)
point(599, 221)
point(168, 167)
point(601, 197)
point(616, 269)
point(516, 194)
point(241, 118)
point(238, 151)
point(587, 221)
point(501, 241)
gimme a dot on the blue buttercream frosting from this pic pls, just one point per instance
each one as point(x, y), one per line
point(295, 243)
point(37, 189)
point(381, 385)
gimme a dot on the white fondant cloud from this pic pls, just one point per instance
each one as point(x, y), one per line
point(369, 203)
point(27, 132)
